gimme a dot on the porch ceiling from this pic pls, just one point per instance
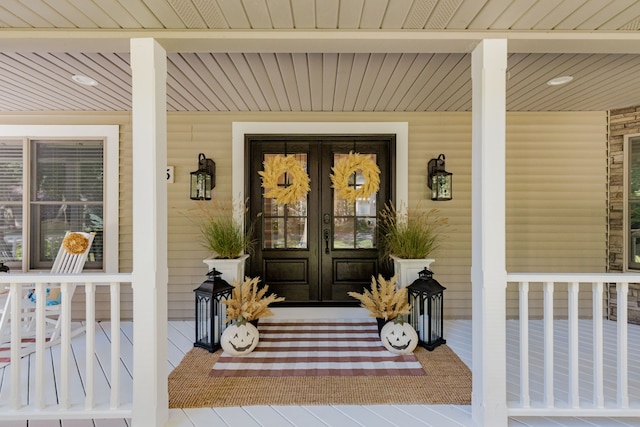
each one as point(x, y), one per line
point(319, 55)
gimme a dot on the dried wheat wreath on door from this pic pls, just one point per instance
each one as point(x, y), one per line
point(346, 167)
point(279, 165)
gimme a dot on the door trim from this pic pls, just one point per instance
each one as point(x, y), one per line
point(240, 129)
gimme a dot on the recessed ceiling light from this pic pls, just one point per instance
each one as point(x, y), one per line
point(560, 80)
point(84, 80)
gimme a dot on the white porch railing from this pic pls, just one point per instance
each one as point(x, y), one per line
point(30, 396)
point(564, 390)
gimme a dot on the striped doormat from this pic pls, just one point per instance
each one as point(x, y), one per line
point(318, 348)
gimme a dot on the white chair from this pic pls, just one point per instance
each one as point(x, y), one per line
point(64, 263)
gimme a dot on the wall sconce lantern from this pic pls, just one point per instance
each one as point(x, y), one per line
point(426, 297)
point(210, 311)
point(439, 180)
point(204, 179)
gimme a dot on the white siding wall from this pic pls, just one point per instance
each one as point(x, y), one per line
point(556, 190)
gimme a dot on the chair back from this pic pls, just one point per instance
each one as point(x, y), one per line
point(66, 263)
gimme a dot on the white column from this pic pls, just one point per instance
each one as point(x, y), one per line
point(150, 273)
point(488, 271)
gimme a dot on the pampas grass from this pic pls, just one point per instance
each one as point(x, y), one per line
point(383, 301)
point(249, 302)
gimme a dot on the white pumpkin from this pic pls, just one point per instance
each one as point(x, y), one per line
point(240, 338)
point(399, 337)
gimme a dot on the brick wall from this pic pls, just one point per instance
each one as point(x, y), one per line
point(625, 121)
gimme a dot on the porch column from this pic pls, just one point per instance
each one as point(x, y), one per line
point(150, 272)
point(488, 265)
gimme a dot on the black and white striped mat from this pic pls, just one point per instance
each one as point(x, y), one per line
point(334, 347)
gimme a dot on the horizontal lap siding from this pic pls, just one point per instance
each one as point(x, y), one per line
point(556, 191)
point(556, 199)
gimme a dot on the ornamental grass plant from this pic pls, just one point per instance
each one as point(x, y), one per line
point(222, 233)
point(409, 233)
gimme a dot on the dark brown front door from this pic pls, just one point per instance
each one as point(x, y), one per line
point(323, 246)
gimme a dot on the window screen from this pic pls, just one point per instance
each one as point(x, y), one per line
point(634, 203)
point(66, 194)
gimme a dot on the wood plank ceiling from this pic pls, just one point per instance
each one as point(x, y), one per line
point(39, 80)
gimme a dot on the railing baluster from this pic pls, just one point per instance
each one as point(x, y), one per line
point(90, 316)
point(41, 300)
point(598, 358)
point(525, 399)
point(548, 344)
point(16, 344)
point(65, 344)
point(28, 392)
point(623, 386)
point(115, 345)
point(604, 404)
point(574, 393)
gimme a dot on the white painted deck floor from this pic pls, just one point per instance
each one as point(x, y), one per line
point(458, 335)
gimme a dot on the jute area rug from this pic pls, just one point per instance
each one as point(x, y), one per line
point(447, 380)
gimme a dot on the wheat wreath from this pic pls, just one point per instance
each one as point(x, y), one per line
point(278, 165)
point(346, 167)
point(75, 243)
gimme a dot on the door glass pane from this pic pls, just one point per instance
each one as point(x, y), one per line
point(343, 236)
point(284, 226)
point(354, 221)
point(11, 191)
point(273, 232)
point(297, 232)
point(365, 233)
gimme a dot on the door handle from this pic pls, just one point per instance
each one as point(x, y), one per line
point(326, 218)
point(325, 234)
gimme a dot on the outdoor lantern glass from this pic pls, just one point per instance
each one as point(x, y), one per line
point(426, 316)
point(204, 179)
point(210, 311)
point(439, 180)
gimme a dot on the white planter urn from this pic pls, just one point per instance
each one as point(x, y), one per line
point(230, 269)
point(407, 269)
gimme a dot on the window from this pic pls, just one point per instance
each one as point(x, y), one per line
point(55, 183)
point(634, 202)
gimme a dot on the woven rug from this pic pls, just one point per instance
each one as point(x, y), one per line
point(317, 348)
point(446, 380)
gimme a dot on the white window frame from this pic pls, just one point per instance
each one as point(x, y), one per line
point(111, 137)
point(626, 220)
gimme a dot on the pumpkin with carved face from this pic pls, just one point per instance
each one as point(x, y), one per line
point(399, 336)
point(240, 338)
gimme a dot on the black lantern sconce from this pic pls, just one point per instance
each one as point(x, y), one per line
point(204, 179)
point(426, 297)
point(210, 311)
point(438, 179)
point(4, 268)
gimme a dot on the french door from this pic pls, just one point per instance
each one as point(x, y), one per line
point(321, 247)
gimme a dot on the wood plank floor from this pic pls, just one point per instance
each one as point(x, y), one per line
point(458, 335)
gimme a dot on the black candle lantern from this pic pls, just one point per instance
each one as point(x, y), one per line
point(438, 179)
point(426, 298)
point(204, 179)
point(210, 311)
